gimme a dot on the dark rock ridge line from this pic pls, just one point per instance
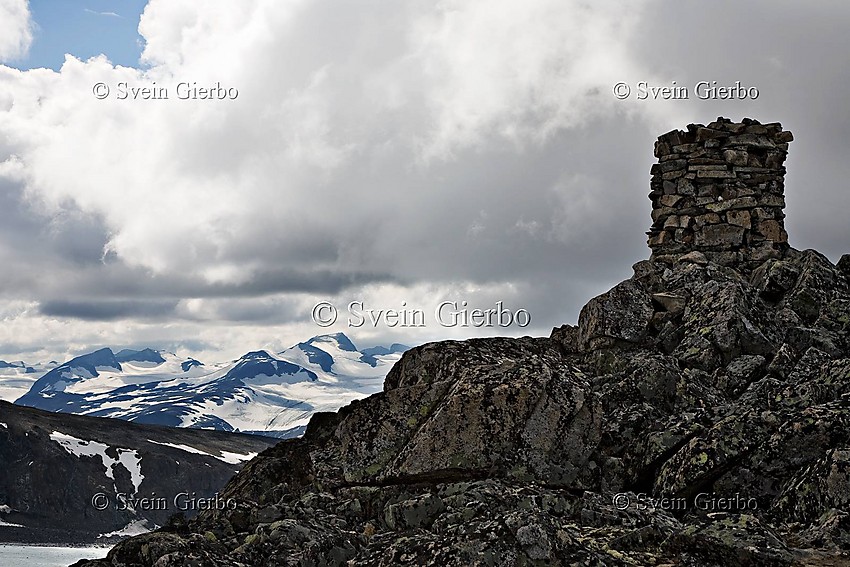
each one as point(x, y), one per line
point(696, 415)
point(69, 479)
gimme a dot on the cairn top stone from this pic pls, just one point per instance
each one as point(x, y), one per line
point(719, 190)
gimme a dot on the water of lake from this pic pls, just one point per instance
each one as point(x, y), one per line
point(36, 556)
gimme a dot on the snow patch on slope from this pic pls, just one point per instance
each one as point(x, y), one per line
point(134, 528)
point(235, 458)
point(225, 456)
point(127, 458)
point(8, 525)
point(186, 448)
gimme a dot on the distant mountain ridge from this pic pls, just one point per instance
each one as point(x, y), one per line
point(265, 393)
point(16, 378)
point(17, 364)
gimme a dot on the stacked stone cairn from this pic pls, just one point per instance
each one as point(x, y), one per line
point(719, 190)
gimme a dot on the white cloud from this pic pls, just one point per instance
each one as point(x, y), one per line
point(408, 150)
point(520, 71)
point(15, 29)
point(107, 14)
point(378, 142)
point(401, 151)
point(336, 120)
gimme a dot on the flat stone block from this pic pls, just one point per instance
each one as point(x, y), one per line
point(719, 235)
point(773, 230)
point(716, 174)
point(739, 218)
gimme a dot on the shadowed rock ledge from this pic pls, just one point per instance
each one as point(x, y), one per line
point(698, 414)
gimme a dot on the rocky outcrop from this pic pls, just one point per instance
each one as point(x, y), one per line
point(696, 415)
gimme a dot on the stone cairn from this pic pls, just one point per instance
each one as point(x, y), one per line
point(719, 190)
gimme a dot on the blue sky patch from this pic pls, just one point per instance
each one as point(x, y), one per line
point(84, 29)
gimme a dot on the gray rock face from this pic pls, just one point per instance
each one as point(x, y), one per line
point(698, 414)
point(621, 314)
point(442, 414)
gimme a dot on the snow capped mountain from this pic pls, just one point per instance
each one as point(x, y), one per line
point(267, 393)
point(16, 378)
point(98, 372)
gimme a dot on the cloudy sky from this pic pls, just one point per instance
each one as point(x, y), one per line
point(395, 153)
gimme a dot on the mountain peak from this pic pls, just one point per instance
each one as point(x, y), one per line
point(190, 363)
point(257, 355)
point(144, 355)
point(103, 357)
point(340, 339)
point(75, 370)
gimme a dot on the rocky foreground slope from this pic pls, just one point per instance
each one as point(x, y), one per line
point(698, 414)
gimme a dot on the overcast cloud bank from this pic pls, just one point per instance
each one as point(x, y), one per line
point(386, 153)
